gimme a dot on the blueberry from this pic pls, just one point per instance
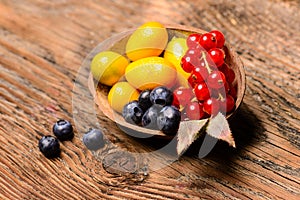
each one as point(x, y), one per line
point(168, 120)
point(93, 139)
point(63, 130)
point(144, 100)
point(132, 112)
point(150, 117)
point(49, 146)
point(162, 96)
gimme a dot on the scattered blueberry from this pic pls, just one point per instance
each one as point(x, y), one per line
point(132, 113)
point(49, 146)
point(162, 96)
point(150, 117)
point(144, 100)
point(168, 120)
point(63, 130)
point(93, 139)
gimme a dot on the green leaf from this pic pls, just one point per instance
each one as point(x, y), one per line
point(188, 132)
point(218, 127)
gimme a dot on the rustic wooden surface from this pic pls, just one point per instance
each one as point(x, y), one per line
point(42, 46)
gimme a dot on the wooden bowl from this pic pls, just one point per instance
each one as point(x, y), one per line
point(117, 43)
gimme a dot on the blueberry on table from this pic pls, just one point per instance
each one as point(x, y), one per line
point(168, 120)
point(49, 146)
point(144, 100)
point(132, 113)
point(63, 130)
point(93, 139)
point(150, 117)
point(162, 96)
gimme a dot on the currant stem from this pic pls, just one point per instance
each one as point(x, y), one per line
point(206, 63)
point(221, 97)
point(194, 99)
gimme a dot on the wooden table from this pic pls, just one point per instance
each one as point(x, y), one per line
point(42, 46)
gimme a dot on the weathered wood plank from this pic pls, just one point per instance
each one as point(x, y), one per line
point(42, 45)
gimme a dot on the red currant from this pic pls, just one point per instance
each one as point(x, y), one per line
point(192, 81)
point(190, 60)
point(216, 80)
point(184, 117)
point(224, 68)
point(227, 104)
point(211, 106)
point(201, 91)
point(199, 74)
point(230, 103)
point(230, 76)
point(194, 111)
point(228, 72)
point(186, 64)
point(192, 40)
point(208, 41)
point(217, 55)
point(214, 93)
point(183, 95)
point(219, 37)
point(221, 91)
point(226, 87)
point(175, 102)
point(233, 92)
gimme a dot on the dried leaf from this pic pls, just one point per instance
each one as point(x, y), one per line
point(188, 132)
point(218, 127)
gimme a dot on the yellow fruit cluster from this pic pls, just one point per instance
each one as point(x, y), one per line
point(142, 65)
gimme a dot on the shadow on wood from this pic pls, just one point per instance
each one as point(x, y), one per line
point(246, 129)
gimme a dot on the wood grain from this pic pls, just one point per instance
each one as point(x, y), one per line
point(42, 46)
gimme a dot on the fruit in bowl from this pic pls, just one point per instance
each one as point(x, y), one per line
point(167, 77)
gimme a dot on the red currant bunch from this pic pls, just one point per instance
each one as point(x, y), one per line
point(212, 81)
